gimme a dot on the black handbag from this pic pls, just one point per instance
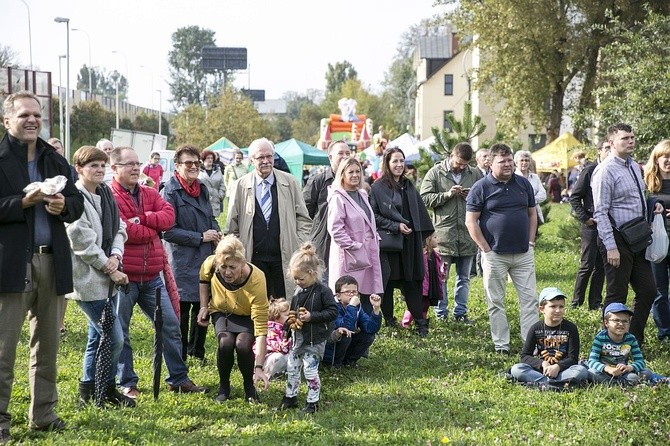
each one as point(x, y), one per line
point(390, 241)
point(636, 233)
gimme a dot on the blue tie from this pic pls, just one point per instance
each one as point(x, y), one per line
point(266, 200)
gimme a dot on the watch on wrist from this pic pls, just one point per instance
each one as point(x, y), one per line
point(258, 367)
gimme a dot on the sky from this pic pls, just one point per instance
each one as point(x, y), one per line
point(289, 43)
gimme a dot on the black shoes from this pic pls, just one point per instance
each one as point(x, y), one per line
point(288, 403)
point(311, 407)
point(463, 319)
point(56, 425)
point(502, 351)
point(4, 436)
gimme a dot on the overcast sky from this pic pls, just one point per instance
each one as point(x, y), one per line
point(289, 43)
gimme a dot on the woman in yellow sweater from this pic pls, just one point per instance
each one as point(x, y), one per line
point(233, 292)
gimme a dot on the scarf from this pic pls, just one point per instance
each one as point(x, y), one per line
point(193, 190)
point(110, 217)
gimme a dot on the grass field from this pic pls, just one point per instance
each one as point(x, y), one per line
point(445, 389)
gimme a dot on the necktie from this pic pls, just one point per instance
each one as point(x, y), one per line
point(266, 200)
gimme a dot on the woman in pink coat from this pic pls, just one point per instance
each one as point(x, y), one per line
point(354, 249)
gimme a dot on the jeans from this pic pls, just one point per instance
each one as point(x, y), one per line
point(629, 379)
point(348, 350)
point(93, 311)
point(144, 295)
point(461, 289)
point(521, 268)
point(575, 374)
point(661, 307)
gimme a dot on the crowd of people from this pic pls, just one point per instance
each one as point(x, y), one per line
point(304, 277)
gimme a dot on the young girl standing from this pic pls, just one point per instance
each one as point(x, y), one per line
point(433, 280)
point(313, 307)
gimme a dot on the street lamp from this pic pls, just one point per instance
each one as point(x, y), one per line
point(117, 85)
point(60, 95)
point(90, 84)
point(160, 111)
point(30, 34)
point(67, 86)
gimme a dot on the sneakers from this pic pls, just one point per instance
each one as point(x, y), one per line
point(311, 407)
point(130, 392)
point(288, 403)
point(56, 425)
point(188, 387)
point(4, 436)
point(502, 351)
point(463, 319)
point(251, 397)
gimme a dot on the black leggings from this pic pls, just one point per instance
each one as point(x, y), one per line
point(192, 334)
point(411, 290)
point(229, 343)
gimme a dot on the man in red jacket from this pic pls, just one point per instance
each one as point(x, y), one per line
point(146, 215)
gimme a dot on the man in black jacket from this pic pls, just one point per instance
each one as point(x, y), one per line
point(316, 195)
point(35, 263)
point(591, 265)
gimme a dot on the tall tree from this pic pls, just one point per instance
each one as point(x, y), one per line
point(104, 82)
point(190, 83)
point(532, 50)
point(635, 92)
point(89, 122)
point(233, 116)
point(338, 74)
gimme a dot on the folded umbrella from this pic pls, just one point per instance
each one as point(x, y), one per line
point(103, 356)
point(158, 343)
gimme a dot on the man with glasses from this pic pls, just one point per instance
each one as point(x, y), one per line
point(268, 213)
point(146, 215)
point(591, 265)
point(315, 194)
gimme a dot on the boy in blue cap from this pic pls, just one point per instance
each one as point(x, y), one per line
point(550, 354)
point(614, 348)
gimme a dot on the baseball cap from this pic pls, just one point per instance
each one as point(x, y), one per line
point(550, 293)
point(617, 307)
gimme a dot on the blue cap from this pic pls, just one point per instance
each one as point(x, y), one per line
point(550, 293)
point(617, 307)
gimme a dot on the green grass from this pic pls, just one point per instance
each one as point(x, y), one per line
point(444, 389)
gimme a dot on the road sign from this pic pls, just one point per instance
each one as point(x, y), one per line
point(219, 58)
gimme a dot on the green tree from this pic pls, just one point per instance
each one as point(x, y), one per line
point(104, 82)
point(89, 122)
point(635, 92)
point(190, 84)
point(338, 74)
point(233, 116)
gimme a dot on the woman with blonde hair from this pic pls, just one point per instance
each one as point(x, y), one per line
point(657, 179)
point(233, 292)
point(354, 249)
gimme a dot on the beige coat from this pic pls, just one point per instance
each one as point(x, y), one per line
point(294, 222)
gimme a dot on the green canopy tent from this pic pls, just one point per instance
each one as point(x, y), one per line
point(298, 154)
point(222, 143)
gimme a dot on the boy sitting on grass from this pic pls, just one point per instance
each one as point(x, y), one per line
point(355, 329)
point(614, 347)
point(551, 351)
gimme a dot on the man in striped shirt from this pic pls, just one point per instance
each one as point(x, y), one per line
point(618, 197)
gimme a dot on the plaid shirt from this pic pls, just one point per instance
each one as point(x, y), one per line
point(616, 194)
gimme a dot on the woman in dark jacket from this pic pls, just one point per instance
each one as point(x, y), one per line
point(400, 212)
point(189, 242)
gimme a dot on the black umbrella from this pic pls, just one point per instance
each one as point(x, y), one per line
point(158, 343)
point(103, 356)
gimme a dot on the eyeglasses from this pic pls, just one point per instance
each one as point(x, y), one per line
point(619, 321)
point(130, 164)
point(190, 164)
point(349, 292)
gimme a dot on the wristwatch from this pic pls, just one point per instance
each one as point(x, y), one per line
point(257, 366)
